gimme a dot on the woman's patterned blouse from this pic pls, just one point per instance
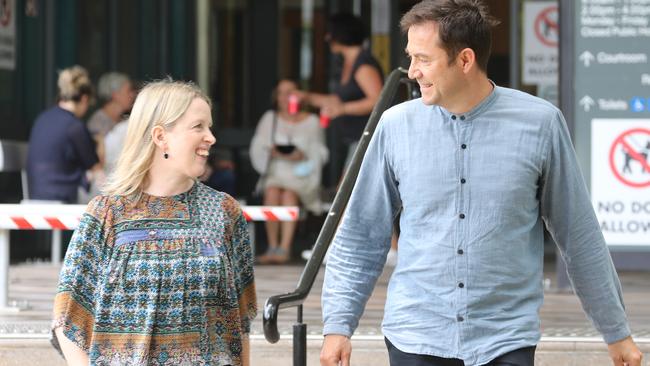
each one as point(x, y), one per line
point(158, 280)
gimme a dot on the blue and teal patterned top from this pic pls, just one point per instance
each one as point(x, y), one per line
point(158, 281)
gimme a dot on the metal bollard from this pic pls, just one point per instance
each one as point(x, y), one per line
point(4, 269)
point(56, 247)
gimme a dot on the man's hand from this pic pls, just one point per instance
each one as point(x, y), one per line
point(623, 353)
point(336, 348)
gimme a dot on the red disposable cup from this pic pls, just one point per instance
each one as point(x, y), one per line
point(324, 120)
point(294, 104)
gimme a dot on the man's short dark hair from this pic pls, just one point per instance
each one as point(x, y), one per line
point(461, 24)
point(346, 29)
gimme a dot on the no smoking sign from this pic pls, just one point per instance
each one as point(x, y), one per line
point(629, 157)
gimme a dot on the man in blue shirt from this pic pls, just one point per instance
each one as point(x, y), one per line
point(478, 171)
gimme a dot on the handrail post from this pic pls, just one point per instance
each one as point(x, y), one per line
point(299, 341)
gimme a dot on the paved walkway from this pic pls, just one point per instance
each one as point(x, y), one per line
point(568, 338)
point(35, 284)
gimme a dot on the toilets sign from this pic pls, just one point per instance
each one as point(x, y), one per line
point(620, 179)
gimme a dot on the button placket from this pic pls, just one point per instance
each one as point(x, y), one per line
point(461, 259)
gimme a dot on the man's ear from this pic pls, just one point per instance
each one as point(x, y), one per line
point(466, 59)
point(158, 136)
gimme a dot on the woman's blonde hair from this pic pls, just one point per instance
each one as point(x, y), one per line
point(159, 103)
point(74, 83)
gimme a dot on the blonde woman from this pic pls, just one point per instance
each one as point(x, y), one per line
point(60, 147)
point(159, 270)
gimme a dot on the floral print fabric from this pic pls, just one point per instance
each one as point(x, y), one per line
point(158, 280)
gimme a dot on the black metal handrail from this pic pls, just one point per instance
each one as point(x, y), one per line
point(296, 298)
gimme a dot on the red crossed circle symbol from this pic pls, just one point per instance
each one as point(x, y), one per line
point(633, 153)
point(546, 26)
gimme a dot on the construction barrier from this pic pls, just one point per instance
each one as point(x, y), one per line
point(57, 217)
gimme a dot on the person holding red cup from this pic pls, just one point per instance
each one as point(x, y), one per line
point(289, 151)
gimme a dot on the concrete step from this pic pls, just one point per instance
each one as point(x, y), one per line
point(366, 351)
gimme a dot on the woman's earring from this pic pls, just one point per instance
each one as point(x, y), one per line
point(166, 156)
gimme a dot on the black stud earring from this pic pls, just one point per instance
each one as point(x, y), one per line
point(166, 156)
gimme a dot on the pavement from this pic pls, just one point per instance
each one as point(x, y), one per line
point(567, 336)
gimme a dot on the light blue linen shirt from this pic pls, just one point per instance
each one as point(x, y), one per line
point(475, 191)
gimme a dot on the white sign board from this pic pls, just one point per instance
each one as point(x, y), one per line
point(620, 179)
point(541, 35)
point(8, 34)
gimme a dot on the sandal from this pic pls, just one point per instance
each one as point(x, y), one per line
point(267, 257)
point(280, 256)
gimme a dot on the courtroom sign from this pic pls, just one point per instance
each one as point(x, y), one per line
point(612, 113)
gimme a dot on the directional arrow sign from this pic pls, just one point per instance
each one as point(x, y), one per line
point(586, 102)
point(587, 57)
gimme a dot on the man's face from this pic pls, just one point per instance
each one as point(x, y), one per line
point(439, 81)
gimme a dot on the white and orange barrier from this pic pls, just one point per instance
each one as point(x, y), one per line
point(66, 217)
point(57, 217)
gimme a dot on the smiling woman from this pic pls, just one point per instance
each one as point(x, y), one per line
point(160, 268)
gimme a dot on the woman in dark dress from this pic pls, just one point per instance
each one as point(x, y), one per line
point(357, 91)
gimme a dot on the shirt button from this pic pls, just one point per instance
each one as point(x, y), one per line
point(462, 180)
point(460, 318)
point(453, 117)
point(461, 285)
point(462, 118)
point(460, 251)
point(152, 234)
point(463, 146)
point(462, 216)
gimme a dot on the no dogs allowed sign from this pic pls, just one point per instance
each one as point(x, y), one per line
point(620, 179)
